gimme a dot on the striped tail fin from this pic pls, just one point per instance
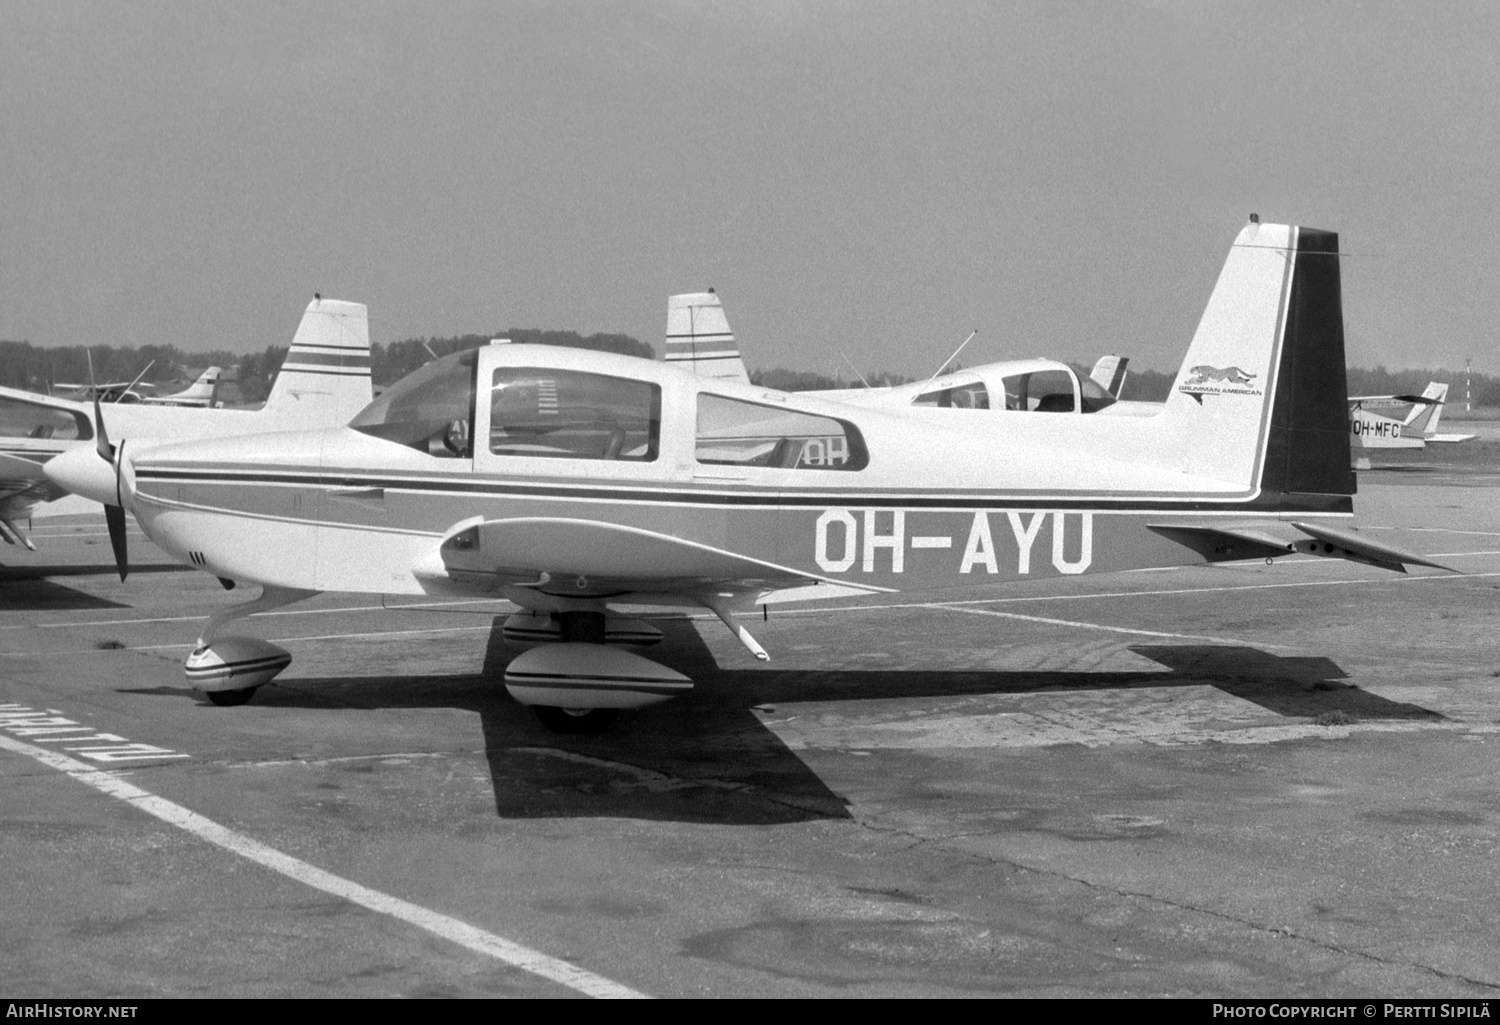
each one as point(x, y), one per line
point(699, 339)
point(325, 379)
point(1109, 373)
point(1424, 416)
point(1262, 398)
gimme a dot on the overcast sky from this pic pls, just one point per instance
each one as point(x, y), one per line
point(867, 178)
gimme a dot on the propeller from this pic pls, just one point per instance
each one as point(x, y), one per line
point(114, 515)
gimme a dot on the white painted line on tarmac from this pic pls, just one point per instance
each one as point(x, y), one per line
point(1453, 578)
point(419, 606)
point(333, 637)
point(1101, 626)
point(451, 929)
point(1440, 530)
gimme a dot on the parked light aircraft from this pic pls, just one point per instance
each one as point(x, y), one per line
point(1374, 423)
point(324, 381)
point(573, 482)
point(1425, 415)
point(699, 338)
point(199, 393)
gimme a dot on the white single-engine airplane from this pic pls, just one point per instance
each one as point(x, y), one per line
point(1373, 421)
point(1423, 414)
point(572, 483)
point(324, 381)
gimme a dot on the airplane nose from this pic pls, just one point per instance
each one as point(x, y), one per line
point(83, 471)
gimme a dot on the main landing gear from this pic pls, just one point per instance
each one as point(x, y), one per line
point(228, 670)
point(579, 684)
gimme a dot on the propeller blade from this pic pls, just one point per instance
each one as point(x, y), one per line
point(114, 517)
point(101, 436)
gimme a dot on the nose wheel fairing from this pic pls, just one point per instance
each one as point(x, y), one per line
point(229, 669)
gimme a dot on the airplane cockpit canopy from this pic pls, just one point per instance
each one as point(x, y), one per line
point(546, 412)
point(430, 409)
point(1030, 386)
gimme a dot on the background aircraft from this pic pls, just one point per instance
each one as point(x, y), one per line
point(325, 380)
point(200, 393)
point(1374, 423)
point(699, 338)
point(573, 483)
point(1424, 417)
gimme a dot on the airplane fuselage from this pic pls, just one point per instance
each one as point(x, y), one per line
point(929, 498)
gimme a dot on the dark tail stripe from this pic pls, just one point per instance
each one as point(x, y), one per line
point(1307, 450)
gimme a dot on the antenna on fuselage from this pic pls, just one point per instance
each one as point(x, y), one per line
point(951, 358)
point(854, 368)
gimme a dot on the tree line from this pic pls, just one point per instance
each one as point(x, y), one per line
point(23, 365)
point(248, 378)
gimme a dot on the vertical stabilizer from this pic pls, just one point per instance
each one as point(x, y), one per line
point(1109, 373)
point(699, 339)
point(325, 379)
point(1425, 416)
point(1261, 399)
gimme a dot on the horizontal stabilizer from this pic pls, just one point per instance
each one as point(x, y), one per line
point(1350, 544)
point(1222, 542)
point(1218, 543)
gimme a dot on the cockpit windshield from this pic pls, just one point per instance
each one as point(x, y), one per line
point(430, 410)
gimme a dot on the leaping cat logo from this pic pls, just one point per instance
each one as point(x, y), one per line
point(1230, 375)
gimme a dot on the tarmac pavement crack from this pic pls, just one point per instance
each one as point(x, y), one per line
point(1280, 931)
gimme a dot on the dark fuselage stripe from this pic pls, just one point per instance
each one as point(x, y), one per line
point(1313, 503)
point(289, 369)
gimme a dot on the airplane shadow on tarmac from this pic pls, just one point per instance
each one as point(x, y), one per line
point(706, 757)
point(29, 588)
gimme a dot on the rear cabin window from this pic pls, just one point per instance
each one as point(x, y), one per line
point(963, 396)
point(569, 414)
point(735, 433)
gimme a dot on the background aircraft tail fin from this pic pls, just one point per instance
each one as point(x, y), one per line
point(699, 339)
point(325, 379)
point(1109, 373)
point(1262, 398)
point(202, 389)
point(1424, 416)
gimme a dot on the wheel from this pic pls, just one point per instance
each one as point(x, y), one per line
point(230, 698)
point(575, 720)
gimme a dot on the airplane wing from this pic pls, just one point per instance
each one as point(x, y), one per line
point(1220, 542)
point(22, 489)
point(21, 476)
point(589, 558)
